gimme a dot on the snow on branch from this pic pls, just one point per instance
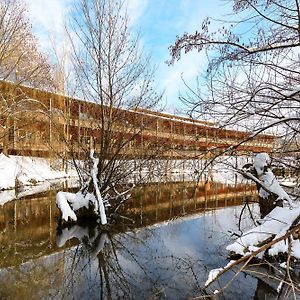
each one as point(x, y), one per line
point(257, 251)
point(275, 224)
point(100, 204)
point(278, 225)
point(265, 179)
point(69, 203)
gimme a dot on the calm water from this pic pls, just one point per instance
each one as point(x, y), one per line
point(175, 237)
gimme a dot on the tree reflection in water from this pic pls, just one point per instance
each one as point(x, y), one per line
point(124, 266)
point(166, 260)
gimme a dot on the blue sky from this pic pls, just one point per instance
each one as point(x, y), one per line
point(159, 21)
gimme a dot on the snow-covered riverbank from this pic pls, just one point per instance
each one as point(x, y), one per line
point(27, 171)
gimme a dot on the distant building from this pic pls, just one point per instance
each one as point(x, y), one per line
point(39, 123)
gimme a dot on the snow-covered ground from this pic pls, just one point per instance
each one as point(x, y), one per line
point(40, 187)
point(27, 171)
point(32, 175)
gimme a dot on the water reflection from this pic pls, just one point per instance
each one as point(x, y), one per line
point(159, 202)
point(161, 261)
point(157, 262)
point(175, 239)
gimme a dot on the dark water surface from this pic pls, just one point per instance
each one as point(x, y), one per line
point(177, 236)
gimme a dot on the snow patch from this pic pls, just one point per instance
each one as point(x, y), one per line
point(215, 272)
point(261, 161)
point(212, 275)
point(63, 200)
point(295, 249)
point(276, 223)
point(279, 287)
point(273, 185)
point(25, 170)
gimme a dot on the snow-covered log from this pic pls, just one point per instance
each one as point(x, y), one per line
point(63, 202)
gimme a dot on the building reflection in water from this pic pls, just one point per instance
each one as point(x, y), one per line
point(136, 260)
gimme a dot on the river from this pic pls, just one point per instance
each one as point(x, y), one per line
point(170, 238)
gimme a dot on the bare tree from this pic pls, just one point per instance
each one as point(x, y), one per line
point(22, 63)
point(113, 72)
point(20, 59)
point(252, 78)
point(252, 81)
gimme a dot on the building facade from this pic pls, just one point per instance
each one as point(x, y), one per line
point(39, 123)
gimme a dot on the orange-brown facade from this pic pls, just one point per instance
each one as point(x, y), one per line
point(39, 123)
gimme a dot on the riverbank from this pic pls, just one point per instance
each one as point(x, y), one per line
point(19, 171)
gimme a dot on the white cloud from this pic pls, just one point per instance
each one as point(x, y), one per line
point(135, 10)
point(48, 14)
point(48, 19)
point(171, 77)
